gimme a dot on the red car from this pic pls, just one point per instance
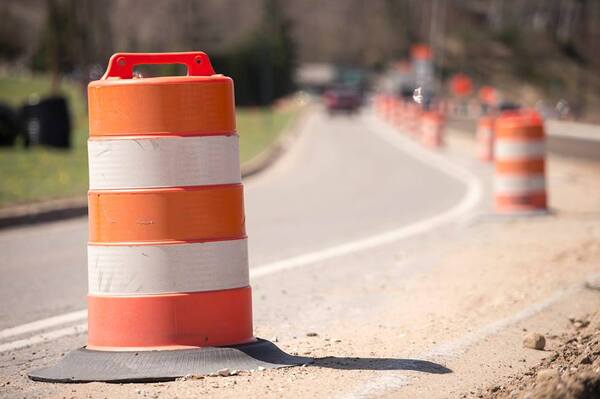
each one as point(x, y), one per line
point(342, 99)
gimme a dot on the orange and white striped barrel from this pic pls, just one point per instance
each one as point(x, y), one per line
point(380, 103)
point(485, 138)
point(388, 108)
point(397, 112)
point(432, 129)
point(167, 254)
point(413, 118)
point(519, 154)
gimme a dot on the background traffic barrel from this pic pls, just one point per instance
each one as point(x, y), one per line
point(519, 154)
point(432, 129)
point(167, 253)
point(485, 138)
point(413, 118)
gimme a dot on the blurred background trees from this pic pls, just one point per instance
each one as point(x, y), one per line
point(553, 45)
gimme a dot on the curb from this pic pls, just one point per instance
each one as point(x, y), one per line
point(273, 152)
point(66, 208)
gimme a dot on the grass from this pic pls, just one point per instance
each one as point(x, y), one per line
point(260, 127)
point(30, 175)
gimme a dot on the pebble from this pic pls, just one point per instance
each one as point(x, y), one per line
point(224, 372)
point(261, 368)
point(312, 334)
point(534, 341)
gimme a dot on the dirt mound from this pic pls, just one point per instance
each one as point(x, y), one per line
point(571, 372)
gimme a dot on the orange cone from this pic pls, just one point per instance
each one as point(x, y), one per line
point(167, 254)
point(432, 129)
point(519, 154)
point(485, 138)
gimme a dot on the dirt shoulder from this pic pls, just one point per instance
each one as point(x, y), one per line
point(571, 371)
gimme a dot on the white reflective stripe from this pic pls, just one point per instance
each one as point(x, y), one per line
point(519, 184)
point(512, 149)
point(163, 162)
point(169, 268)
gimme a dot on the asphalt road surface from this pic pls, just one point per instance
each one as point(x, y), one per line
point(341, 183)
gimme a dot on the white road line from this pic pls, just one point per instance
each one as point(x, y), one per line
point(43, 324)
point(469, 201)
point(398, 379)
point(45, 337)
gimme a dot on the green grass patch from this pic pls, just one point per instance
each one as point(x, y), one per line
point(30, 175)
point(260, 127)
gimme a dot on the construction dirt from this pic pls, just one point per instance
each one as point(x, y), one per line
point(571, 371)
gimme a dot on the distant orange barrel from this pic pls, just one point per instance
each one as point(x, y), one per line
point(167, 253)
point(389, 108)
point(485, 138)
point(413, 119)
point(380, 104)
point(398, 115)
point(519, 153)
point(432, 129)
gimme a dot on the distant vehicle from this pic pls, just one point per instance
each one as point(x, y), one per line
point(342, 99)
point(508, 106)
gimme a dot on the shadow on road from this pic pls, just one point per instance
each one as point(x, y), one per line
point(367, 363)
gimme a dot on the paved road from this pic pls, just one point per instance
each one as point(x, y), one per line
point(340, 182)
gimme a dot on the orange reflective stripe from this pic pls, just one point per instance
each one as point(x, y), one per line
point(182, 105)
point(524, 166)
point(209, 318)
point(159, 215)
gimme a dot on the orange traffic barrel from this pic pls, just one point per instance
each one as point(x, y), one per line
point(167, 253)
point(413, 119)
point(390, 104)
point(519, 153)
point(432, 129)
point(485, 138)
point(398, 114)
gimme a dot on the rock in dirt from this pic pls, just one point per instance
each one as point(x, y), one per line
point(224, 372)
point(534, 341)
point(544, 375)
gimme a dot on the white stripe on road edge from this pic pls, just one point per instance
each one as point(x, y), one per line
point(43, 324)
point(469, 200)
point(41, 338)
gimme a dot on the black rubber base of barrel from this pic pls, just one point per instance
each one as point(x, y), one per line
point(84, 365)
